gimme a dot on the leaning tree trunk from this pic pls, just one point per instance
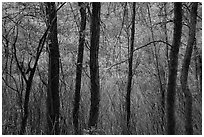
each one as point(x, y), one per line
point(173, 65)
point(185, 68)
point(53, 103)
point(28, 75)
point(79, 66)
point(130, 75)
point(94, 67)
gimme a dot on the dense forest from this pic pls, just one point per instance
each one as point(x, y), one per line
point(111, 68)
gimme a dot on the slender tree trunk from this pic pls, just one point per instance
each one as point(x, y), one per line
point(185, 68)
point(159, 74)
point(27, 75)
point(166, 34)
point(28, 81)
point(53, 103)
point(79, 66)
point(25, 107)
point(173, 65)
point(198, 69)
point(94, 67)
point(163, 99)
point(130, 75)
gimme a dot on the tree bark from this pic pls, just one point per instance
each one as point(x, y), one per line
point(130, 75)
point(94, 67)
point(185, 68)
point(163, 99)
point(53, 103)
point(198, 69)
point(25, 106)
point(79, 66)
point(173, 65)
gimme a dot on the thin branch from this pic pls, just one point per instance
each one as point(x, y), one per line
point(163, 22)
point(157, 41)
point(10, 86)
point(138, 49)
point(20, 67)
point(117, 64)
point(75, 18)
point(43, 81)
point(60, 6)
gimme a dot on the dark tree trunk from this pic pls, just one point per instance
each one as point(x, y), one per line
point(94, 67)
point(53, 103)
point(173, 65)
point(130, 75)
point(25, 106)
point(200, 71)
point(185, 68)
point(196, 66)
point(79, 66)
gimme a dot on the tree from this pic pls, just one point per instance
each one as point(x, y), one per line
point(27, 67)
point(53, 102)
point(79, 66)
point(173, 65)
point(30, 72)
point(94, 67)
point(198, 68)
point(159, 69)
point(130, 73)
point(185, 68)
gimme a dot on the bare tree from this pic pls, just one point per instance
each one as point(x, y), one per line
point(160, 71)
point(79, 66)
point(28, 74)
point(53, 102)
point(185, 68)
point(173, 65)
point(130, 73)
point(94, 67)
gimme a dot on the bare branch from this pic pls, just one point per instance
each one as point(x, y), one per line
point(9, 85)
point(138, 49)
point(157, 41)
point(60, 6)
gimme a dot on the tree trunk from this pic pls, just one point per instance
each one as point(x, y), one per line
point(79, 66)
point(198, 69)
point(163, 101)
point(53, 103)
point(25, 106)
point(173, 65)
point(30, 74)
point(130, 75)
point(185, 68)
point(94, 67)
point(160, 75)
